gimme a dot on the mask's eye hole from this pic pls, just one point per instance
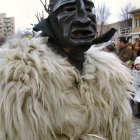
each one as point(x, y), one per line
point(88, 9)
point(70, 9)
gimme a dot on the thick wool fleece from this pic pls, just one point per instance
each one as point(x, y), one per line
point(43, 97)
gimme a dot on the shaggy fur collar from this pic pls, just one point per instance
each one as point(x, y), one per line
point(44, 97)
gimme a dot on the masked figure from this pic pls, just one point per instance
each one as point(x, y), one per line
point(71, 26)
point(54, 88)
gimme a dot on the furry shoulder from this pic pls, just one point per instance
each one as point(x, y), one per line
point(31, 77)
point(108, 71)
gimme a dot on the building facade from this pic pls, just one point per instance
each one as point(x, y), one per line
point(135, 24)
point(124, 28)
point(129, 28)
point(7, 26)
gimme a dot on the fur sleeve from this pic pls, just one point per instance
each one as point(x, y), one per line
point(109, 72)
point(113, 86)
point(22, 67)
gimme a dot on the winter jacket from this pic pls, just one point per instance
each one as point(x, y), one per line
point(136, 74)
point(125, 54)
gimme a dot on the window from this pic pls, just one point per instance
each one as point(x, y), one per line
point(139, 22)
point(6, 23)
point(6, 19)
point(135, 22)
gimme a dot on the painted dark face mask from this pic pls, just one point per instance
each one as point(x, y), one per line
point(73, 22)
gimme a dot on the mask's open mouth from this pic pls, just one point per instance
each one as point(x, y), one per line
point(81, 34)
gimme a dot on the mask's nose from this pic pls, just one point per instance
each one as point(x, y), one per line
point(82, 13)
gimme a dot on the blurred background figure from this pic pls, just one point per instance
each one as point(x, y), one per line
point(136, 73)
point(110, 48)
point(130, 45)
point(136, 50)
point(124, 53)
point(129, 64)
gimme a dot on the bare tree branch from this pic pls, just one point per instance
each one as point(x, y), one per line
point(39, 16)
point(124, 11)
point(102, 14)
point(45, 5)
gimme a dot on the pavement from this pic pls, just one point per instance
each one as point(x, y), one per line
point(135, 129)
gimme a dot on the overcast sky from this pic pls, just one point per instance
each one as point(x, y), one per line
point(24, 10)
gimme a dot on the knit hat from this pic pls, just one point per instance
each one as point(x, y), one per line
point(129, 63)
point(137, 60)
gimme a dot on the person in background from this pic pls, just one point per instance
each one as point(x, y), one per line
point(130, 45)
point(124, 53)
point(136, 73)
point(110, 48)
point(136, 49)
point(129, 64)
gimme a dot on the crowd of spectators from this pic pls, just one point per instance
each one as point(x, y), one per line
point(129, 54)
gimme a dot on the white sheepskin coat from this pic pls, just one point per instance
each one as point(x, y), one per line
point(43, 97)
